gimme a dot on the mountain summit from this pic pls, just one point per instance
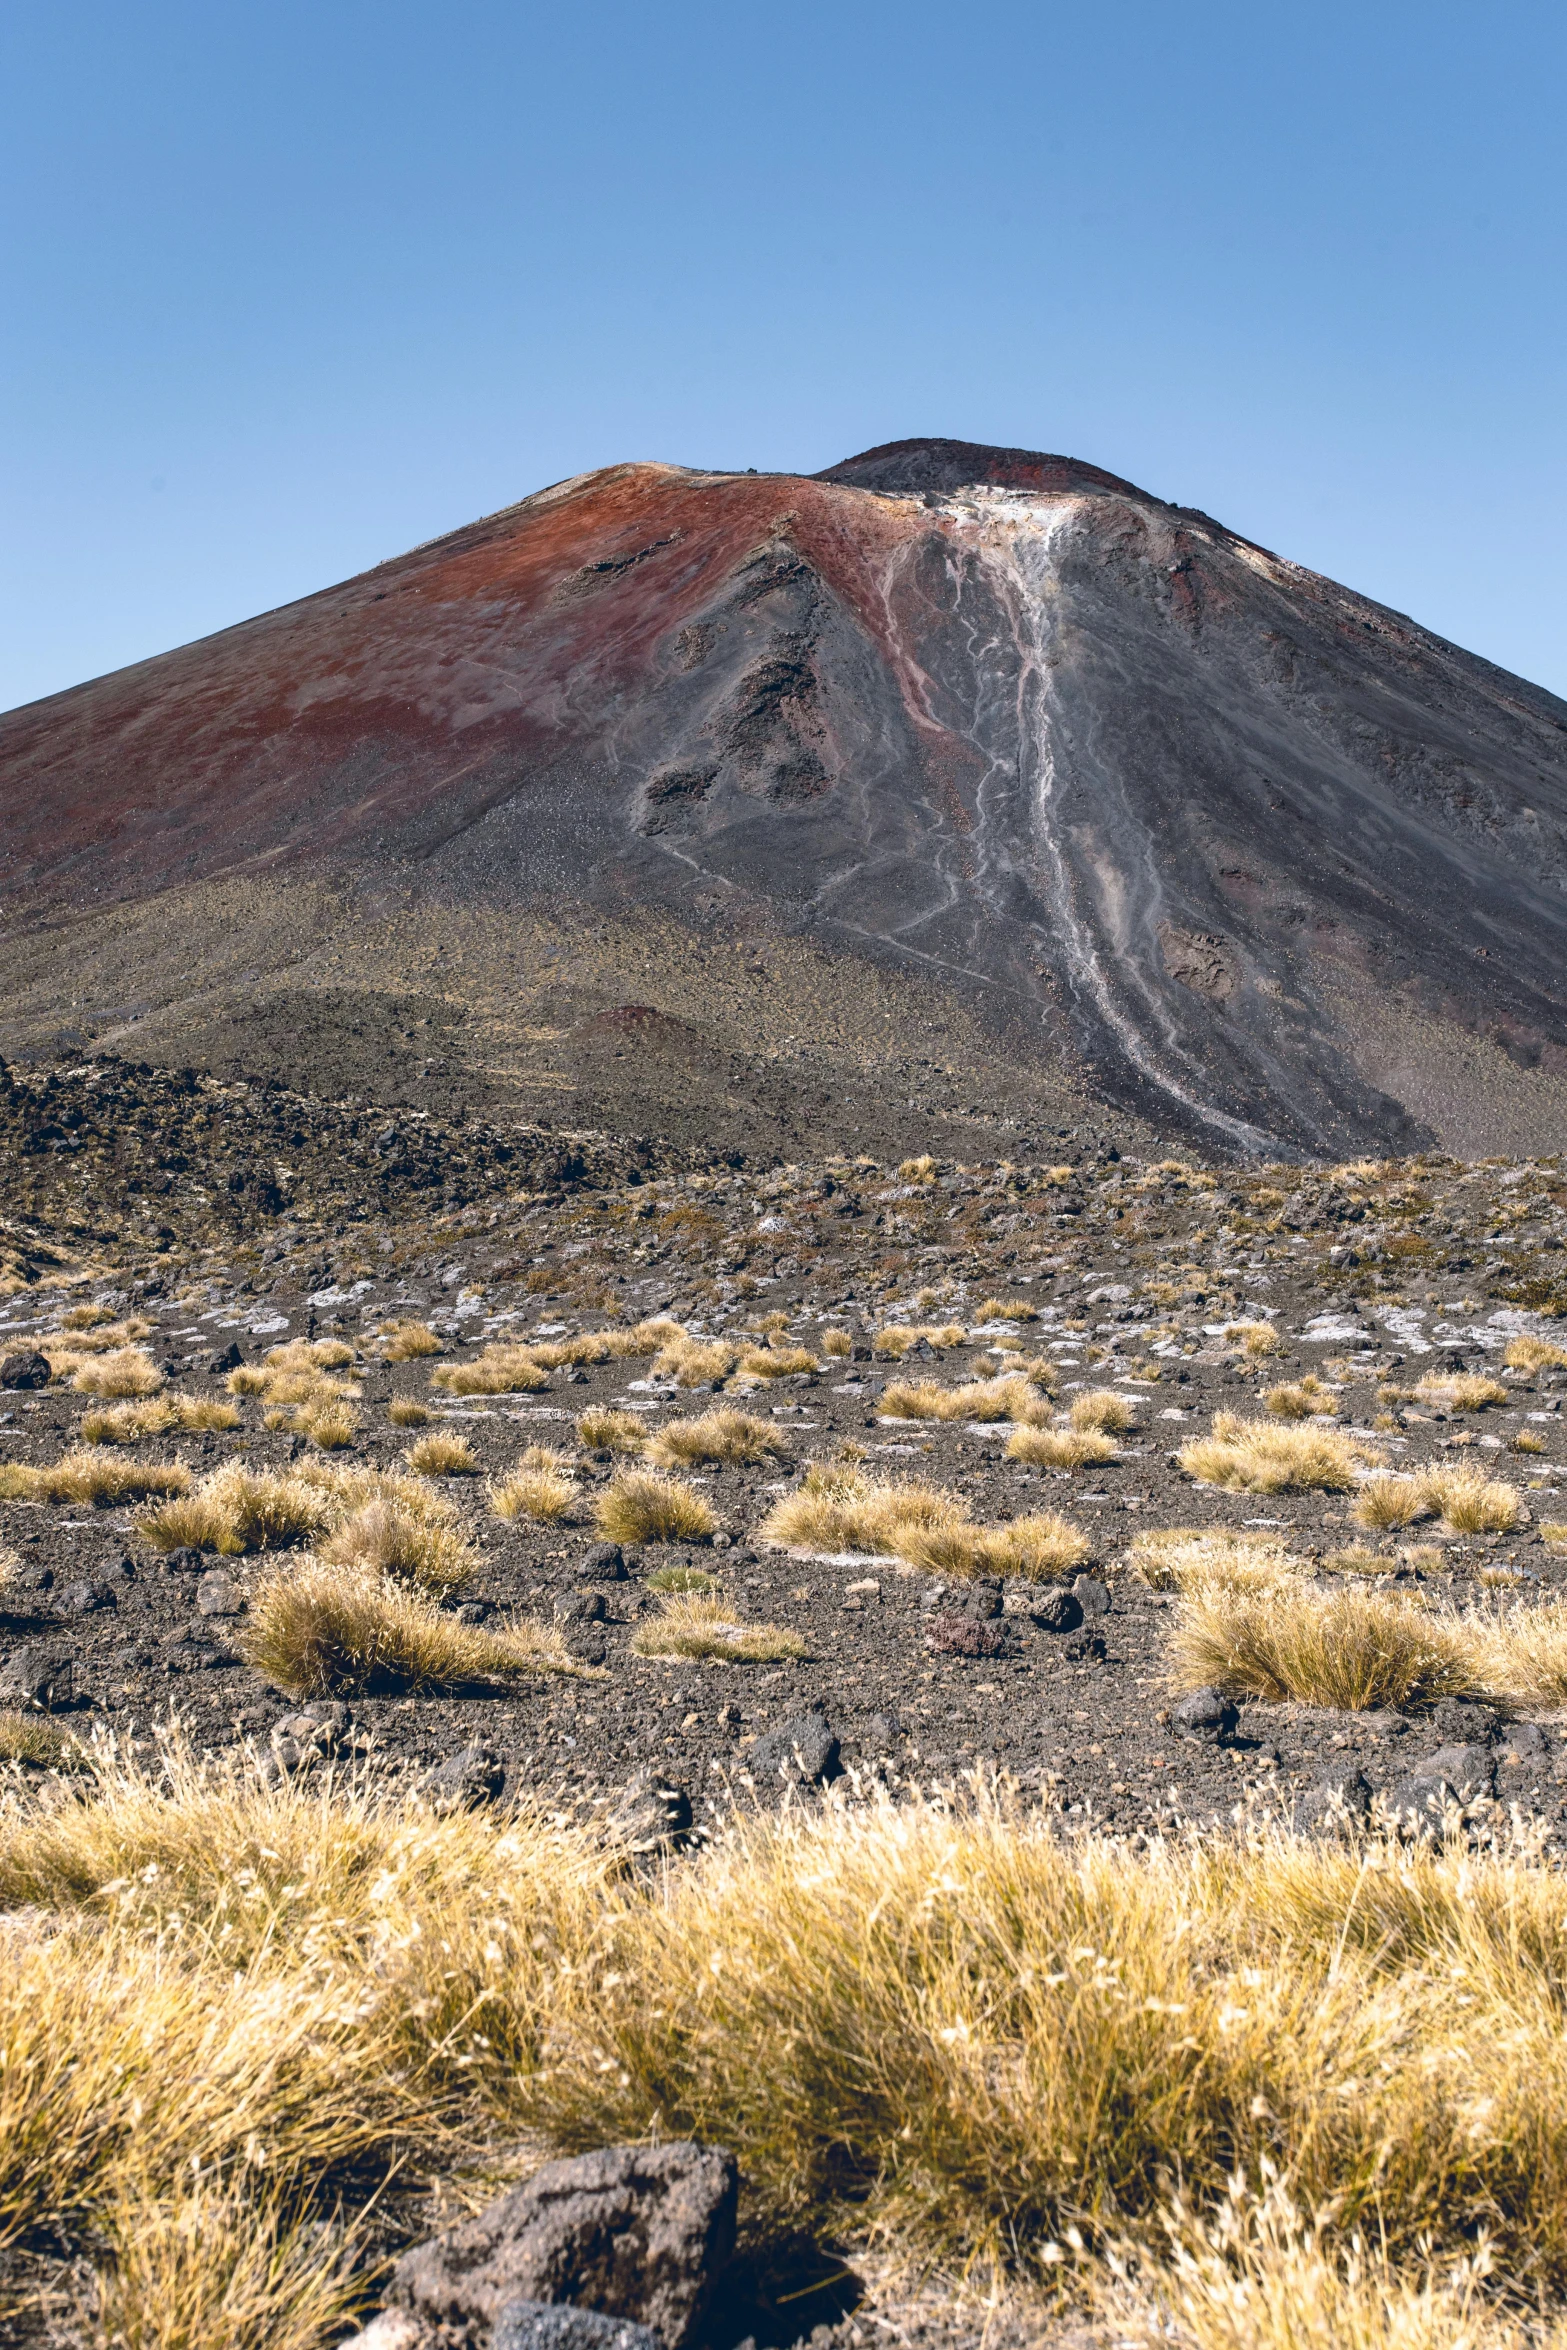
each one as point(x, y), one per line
point(955, 793)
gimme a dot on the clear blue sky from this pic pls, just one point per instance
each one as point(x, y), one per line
point(287, 288)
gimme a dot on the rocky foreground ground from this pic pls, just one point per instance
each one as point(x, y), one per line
point(164, 1217)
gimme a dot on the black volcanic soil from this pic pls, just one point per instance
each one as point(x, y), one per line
point(1132, 1270)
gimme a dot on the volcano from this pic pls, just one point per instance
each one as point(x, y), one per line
point(954, 797)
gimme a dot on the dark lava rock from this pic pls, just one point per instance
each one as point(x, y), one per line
point(1467, 1769)
point(580, 1607)
point(603, 1562)
point(637, 2232)
point(217, 1596)
point(464, 1782)
point(88, 1598)
point(971, 1636)
point(1205, 1716)
point(802, 1750)
point(1056, 1611)
point(223, 1360)
point(1523, 1746)
point(1382, 1722)
point(185, 1561)
point(1335, 1806)
point(24, 1369)
point(1420, 1805)
point(883, 1730)
point(651, 1814)
point(40, 1676)
point(557, 2325)
point(1464, 1720)
point(1092, 1596)
point(982, 1596)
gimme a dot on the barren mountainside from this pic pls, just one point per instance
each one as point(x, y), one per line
point(955, 794)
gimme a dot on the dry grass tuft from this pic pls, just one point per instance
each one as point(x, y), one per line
point(639, 1507)
point(1526, 1440)
point(1301, 1399)
point(898, 1337)
point(695, 1362)
point(133, 1423)
point(441, 1454)
point(1460, 1391)
point(694, 1579)
point(1038, 1548)
point(322, 1630)
point(330, 1427)
point(1358, 1559)
point(1059, 1448)
point(127, 1370)
point(389, 1540)
point(1254, 1456)
point(725, 1437)
point(695, 1624)
point(1005, 1309)
point(1103, 1408)
point(239, 1509)
point(1011, 1397)
point(406, 1342)
point(1257, 1340)
point(1528, 1353)
point(1387, 1500)
point(1347, 1649)
point(837, 1342)
point(601, 1429)
point(33, 1739)
point(405, 1411)
point(90, 1475)
point(496, 1370)
point(540, 1488)
point(1178, 1558)
point(758, 1364)
point(840, 1509)
point(1469, 1503)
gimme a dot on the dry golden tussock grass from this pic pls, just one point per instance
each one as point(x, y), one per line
point(1103, 1408)
point(1039, 1548)
point(1387, 1500)
point(898, 1337)
point(1177, 1558)
point(322, 1630)
point(1526, 1440)
point(1010, 1397)
point(840, 1509)
point(1359, 1559)
point(388, 1539)
point(637, 1506)
point(239, 1509)
point(441, 1454)
point(330, 1427)
point(407, 1342)
point(1005, 1309)
point(602, 1429)
point(495, 1370)
point(837, 1342)
point(405, 1411)
point(1258, 1456)
point(92, 1474)
point(964, 2036)
point(1468, 1502)
point(540, 1489)
point(695, 1362)
point(1460, 1391)
point(1344, 1648)
point(758, 1364)
point(723, 1437)
point(1059, 1448)
point(1528, 1353)
point(1257, 1340)
point(699, 1624)
point(1301, 1399)
point(159, 1415)
point(125, 1371)
point(34, 1739)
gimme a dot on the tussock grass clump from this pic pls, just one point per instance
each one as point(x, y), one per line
point(692, 1579)
point(898, 1337)
point(496, 1370)
point(601, 1429)
point(134, 1422)
point(1005, 1309)
point(1348, 1649)
point(405, 1411)
point(1359, 1559)
point(1257, 1456)
point(1177, 1558)
point(298, 1374)
point(724, 1437)
point(124, 1371)
point(1526, 1440)
point(1038, 1548)
point(237, 1510)
point(638, 1506)
point(1010, 1397)
point(1301, 1399)
point(387, 1539)
point(407, 1342)
point(323, 1630)
point(1528, 1353)
point(695, 1362)
point(1059, 1448)
point(1388, 1500)
point(1103, 1408)
point(775, 1361)
point(837, 1342)
point(840, 1509)
point(34, 1739)
point(1460, 1391)
point(962, 2032)
point(696, 1624)
point(441, 1454)
point(605, 1346)
point(540, 1488)
point(1256, 1340)
point(92, 1474)
point(331, 1427)
point(1469, 1503)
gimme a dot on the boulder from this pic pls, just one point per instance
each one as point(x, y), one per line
point(558, 2325)
point(804, 1750)
point(25, 1368)
point(1205, 1716)
point(1056, 1610)
point(89, 1597)
point(651, 1814)
point(1335, 1806)
point(602, 1562)
point(1092, 1596)
point(39, 1676)
point(216, 1595)
point(465, 1781)
point(962, 1635)
point(632, 2232)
